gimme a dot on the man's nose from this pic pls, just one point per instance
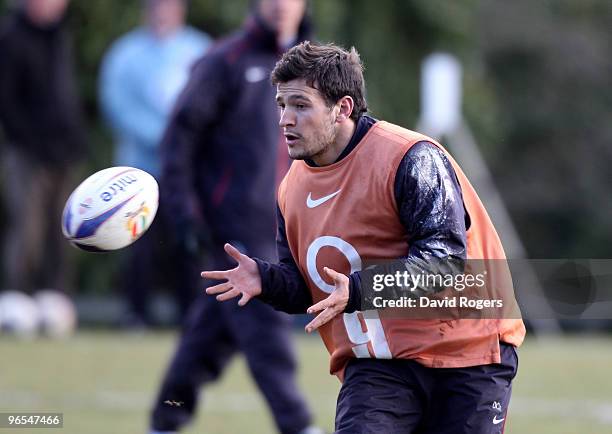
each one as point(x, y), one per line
point(287, 118)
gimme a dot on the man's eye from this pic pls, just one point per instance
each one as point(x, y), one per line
point(281, 106)
point(300, 106)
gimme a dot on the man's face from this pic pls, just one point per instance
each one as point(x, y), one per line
point(308, 123)
point(46, 12)
point(283, 16)
point(165, 16)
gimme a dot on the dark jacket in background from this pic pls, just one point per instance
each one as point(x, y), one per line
point(221, 159)
point(222, 153)
point(39, 107)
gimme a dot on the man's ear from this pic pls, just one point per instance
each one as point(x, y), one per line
point(346, 105)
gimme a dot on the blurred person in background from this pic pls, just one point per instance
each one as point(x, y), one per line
point(222, 159)
point(142, 75)
point(45, 142)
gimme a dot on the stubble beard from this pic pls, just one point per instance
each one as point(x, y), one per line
point(320, 143)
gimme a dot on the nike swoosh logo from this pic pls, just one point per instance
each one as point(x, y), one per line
point(496, 420)
point(310, 203)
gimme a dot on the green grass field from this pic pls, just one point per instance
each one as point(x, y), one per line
point(105, 382)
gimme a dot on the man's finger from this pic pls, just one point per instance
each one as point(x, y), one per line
point(321, 319)
point(318, 307)
point(216, 275)
point(244, 299)
point(233, 252)
point(228, 295)
point(334, 275)
point(217, 289)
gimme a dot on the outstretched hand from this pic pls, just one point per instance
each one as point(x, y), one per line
point(243, 280)
point(332, 305)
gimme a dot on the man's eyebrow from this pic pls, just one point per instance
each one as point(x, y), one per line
point(293, 98)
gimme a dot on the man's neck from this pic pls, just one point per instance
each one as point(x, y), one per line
point(343, 138)
point(286, 41)
point(162, 33)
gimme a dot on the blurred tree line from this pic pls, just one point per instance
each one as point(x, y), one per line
point(537, 92)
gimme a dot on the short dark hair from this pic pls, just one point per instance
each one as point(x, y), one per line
point(332, 70)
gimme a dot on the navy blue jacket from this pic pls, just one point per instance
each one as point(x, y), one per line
point(220, 152)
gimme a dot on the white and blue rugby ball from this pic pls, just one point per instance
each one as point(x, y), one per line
point(111, 209)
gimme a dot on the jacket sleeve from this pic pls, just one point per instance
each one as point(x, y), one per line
point(431, 209)
point(199, 106)
point(283, 286)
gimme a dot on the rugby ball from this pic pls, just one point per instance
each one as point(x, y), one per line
point(111, 209)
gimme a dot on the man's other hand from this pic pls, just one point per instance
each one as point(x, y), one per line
point(243, 280)
point(332, 305)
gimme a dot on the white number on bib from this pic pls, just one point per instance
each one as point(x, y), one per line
point(374, 330)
